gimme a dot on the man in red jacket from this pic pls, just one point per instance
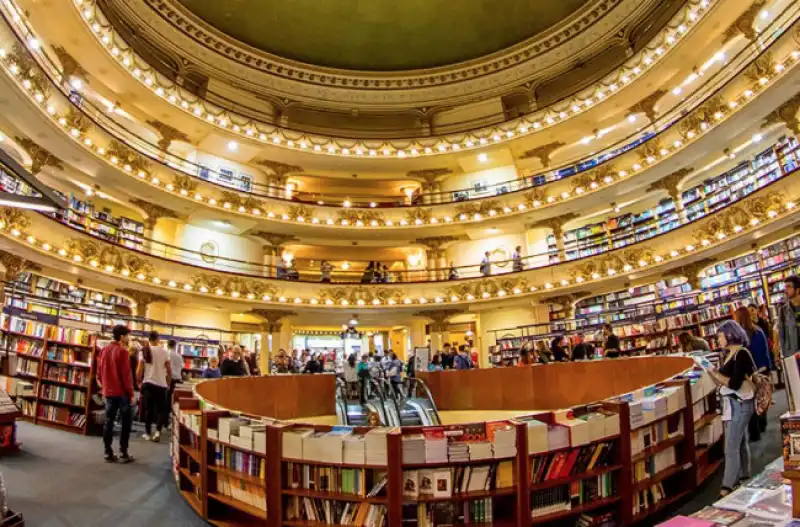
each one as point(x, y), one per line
point(116, 380)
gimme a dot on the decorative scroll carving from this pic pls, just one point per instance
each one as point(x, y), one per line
point(487, 288)
point(154, 212)
point(360, 296)
point(360, 217)
point(556, 224)
point(543, 152)
point(649, 150)
point(598, 266)
point(29, 69)
point(168, 134)
point(273, 319)
point(185, 184)
point(14, 218)
point(535, 197)
point(78, 120)
point(483, 208)
point(14, 265)
point(567, 300)
point(439, 318)
point(647, 105)
point(235, 201)
point(300, 211)
point(761, 68)
point(594, 178)
point(127, 157)
point(234, 286)
point(40, 157)
point(142, 298)
point(744, 24)
point(736, 218)
point(69, 66)
point(418, 215)
point(786, 113)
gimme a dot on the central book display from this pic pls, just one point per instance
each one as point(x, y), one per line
point(618, 461)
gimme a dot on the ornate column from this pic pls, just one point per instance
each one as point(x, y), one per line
point(272, 249)
point(143, 300)
point(434, 247)
point(671, 183)
point(431, 183)
point(270, 328)
point(277, 179)
point(154, 214)
point(556, 225)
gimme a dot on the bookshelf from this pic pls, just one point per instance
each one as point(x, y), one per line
point(623, 459)
point(104, 225)
point(55, 368)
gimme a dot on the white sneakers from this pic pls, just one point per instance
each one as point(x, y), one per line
point(155, 438)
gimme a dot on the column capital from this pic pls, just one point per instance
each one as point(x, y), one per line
point(69, 66)
point(566, 300)
point(786, 113)
point(429, 175)
point(436, 243)
point(440, 316)
point(271, 316)
point(40, 157)
point(168, 134)
point(154, 212)
point(14, 265)
point(271, 238)
point(278, 168)
point(691, 271)
point(142, 298)
point(543, 152)
point(744, 24)
point(556, 223)
point(671, 182)
point(647, 105)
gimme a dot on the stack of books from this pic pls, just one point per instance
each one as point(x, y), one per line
point(376, 453)
point(458, 451)
point(710, 433)
point(413, 449)
point(435, 445)
point(504, 440)
point(480, 450)
point(354, 450)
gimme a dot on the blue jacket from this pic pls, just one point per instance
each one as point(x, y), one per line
point(462, 362)
point(760, 350)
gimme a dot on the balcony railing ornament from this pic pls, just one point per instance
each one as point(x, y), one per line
point(40, 157)
point(785, 114)
point(483, 208)
point(593, 178)
point(418, 216)
point(14, 218)
point(361, 217)
point(128, 158)
point(14, 265)
point(543, 152)
point(744, 24)
point(28, 69)
point(647, 105)
point(691, 272)
point(761, 68)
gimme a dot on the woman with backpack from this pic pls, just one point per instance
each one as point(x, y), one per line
point(738, 393)
point(759, 348)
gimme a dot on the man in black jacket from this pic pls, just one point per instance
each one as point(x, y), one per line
point(582, 350)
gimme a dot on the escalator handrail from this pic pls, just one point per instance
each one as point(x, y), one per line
point(382, 384)
point(419, 382)
point(341, 400)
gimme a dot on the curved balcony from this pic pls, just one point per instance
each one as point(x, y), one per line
point(419, 217)
point(775, 163)
point(239, 120)
point(763, 213)
point(656, 133)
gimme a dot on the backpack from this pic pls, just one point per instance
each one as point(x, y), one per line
point(762, 385)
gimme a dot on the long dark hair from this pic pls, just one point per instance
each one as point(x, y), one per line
point(147, 353)
point(351, 360)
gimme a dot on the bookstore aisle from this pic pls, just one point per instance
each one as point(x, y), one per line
point(59, 479)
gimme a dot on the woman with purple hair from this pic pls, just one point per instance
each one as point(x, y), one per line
point(738, 391)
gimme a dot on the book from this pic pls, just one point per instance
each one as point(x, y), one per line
point(686, 521)
point(442, 487)
point(718, 516)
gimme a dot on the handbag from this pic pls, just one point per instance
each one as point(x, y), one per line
point(762, 385)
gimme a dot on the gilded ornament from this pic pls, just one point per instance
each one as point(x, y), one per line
point(543, 152)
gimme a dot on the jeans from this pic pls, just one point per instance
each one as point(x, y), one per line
point(154, 401)
point(115, 405)
point(737, 448)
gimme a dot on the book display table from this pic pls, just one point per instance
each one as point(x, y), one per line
point(627, 440)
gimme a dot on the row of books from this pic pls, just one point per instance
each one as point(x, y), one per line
point(560, 465)
point(30, 328)
point(246, 434)
point(26, 347)
point(646, 407)
point(565, 497)
point(340, 445)
point(66, 374)
point(648, 436)
point(331, 512)
point(60, 415)
point(571, 429)
point(249, 493)
point(446, 482)
point(63, 395)
point(437, 445)
point(358, 481)
point(68, 355)
point(710, 433)
point(28, 367)
point(652, 465)
point(71, 335)
point(239, 461)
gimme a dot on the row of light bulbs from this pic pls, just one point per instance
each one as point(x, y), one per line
point(219, 292)
point(245, 127)
point(520, 207)
point(676, 146)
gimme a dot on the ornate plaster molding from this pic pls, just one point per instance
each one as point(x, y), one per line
point(40, 156)
point(543, 152)
point(168, 134)
point(153, 211)
point(14, 265)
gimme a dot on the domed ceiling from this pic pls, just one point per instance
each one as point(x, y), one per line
point(382, 35)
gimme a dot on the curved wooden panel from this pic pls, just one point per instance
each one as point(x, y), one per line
point(548, 387)
point(276, 396)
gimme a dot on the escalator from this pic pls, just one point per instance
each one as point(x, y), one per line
point(393, 408)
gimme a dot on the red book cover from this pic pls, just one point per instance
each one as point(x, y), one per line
point(569, 463)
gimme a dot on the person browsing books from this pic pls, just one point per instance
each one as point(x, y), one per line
point(582, 350)
point(154, 374)
point(788, 318)
point(611, 346)
point(176, 367)
point(759, 348)
point(737, 391)
point(689, 343)
point(116, 381)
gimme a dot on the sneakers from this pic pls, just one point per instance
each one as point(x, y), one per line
point(126, 458)
point(110, 457)
point(156, 437)
point(147, 437)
